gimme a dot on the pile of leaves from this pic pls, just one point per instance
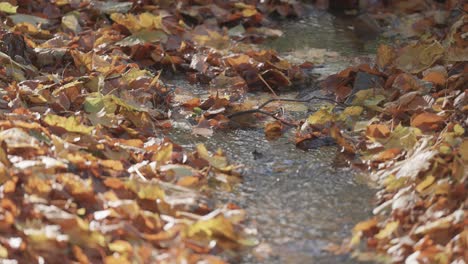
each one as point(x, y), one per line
point(86, 173)
point(406, 123)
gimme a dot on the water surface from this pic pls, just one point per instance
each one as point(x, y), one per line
point(299, 201)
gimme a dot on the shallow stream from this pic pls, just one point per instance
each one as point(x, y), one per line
point(299, 201)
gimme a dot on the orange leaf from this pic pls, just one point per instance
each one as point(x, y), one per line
point(273, 130)
point(387, 155)
point(378, 131)
point(436, 78)
point(427, 121)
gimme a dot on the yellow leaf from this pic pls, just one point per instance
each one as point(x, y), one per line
point(8, 8)
point(164, 154)
point(217, 160)
point(365, 225)
point(71, 124)
point(425, 183)
point(135, 23)
point(216, 226)
point(120, 246)
point(393, 183)
point(188, 181)
point(459, 130)
point(353, 111)
point(248, 12)
point(3, 252)
point(388, 230)
point(150, 190)
point(321, 117)
point(463, 149)
point(112, 164)
point(116, 259)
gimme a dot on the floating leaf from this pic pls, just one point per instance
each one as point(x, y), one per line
point(273, 130)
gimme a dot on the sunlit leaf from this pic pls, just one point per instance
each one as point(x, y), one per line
point(146, 190)
point(321, 117)
point(387, 231)
point(216, 226)
point(8, 8)
point(71, 123)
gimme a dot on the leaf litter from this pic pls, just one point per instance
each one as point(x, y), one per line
point(85, 168)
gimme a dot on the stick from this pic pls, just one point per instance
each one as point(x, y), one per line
point(267, 85)
point(258, 109)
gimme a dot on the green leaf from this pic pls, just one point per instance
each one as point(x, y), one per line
point(94, 103)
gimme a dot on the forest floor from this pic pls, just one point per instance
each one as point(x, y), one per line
point(87, 175)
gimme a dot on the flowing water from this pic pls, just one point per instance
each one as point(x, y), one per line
point(299, 201)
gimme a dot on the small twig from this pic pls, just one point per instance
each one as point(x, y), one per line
point(275, 117)
point(301, 101)
point(267, 85)
point(260, 111)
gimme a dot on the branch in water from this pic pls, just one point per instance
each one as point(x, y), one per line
point(260, 111)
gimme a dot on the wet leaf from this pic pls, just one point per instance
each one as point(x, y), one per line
point(321, 117)
point(273, 130)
